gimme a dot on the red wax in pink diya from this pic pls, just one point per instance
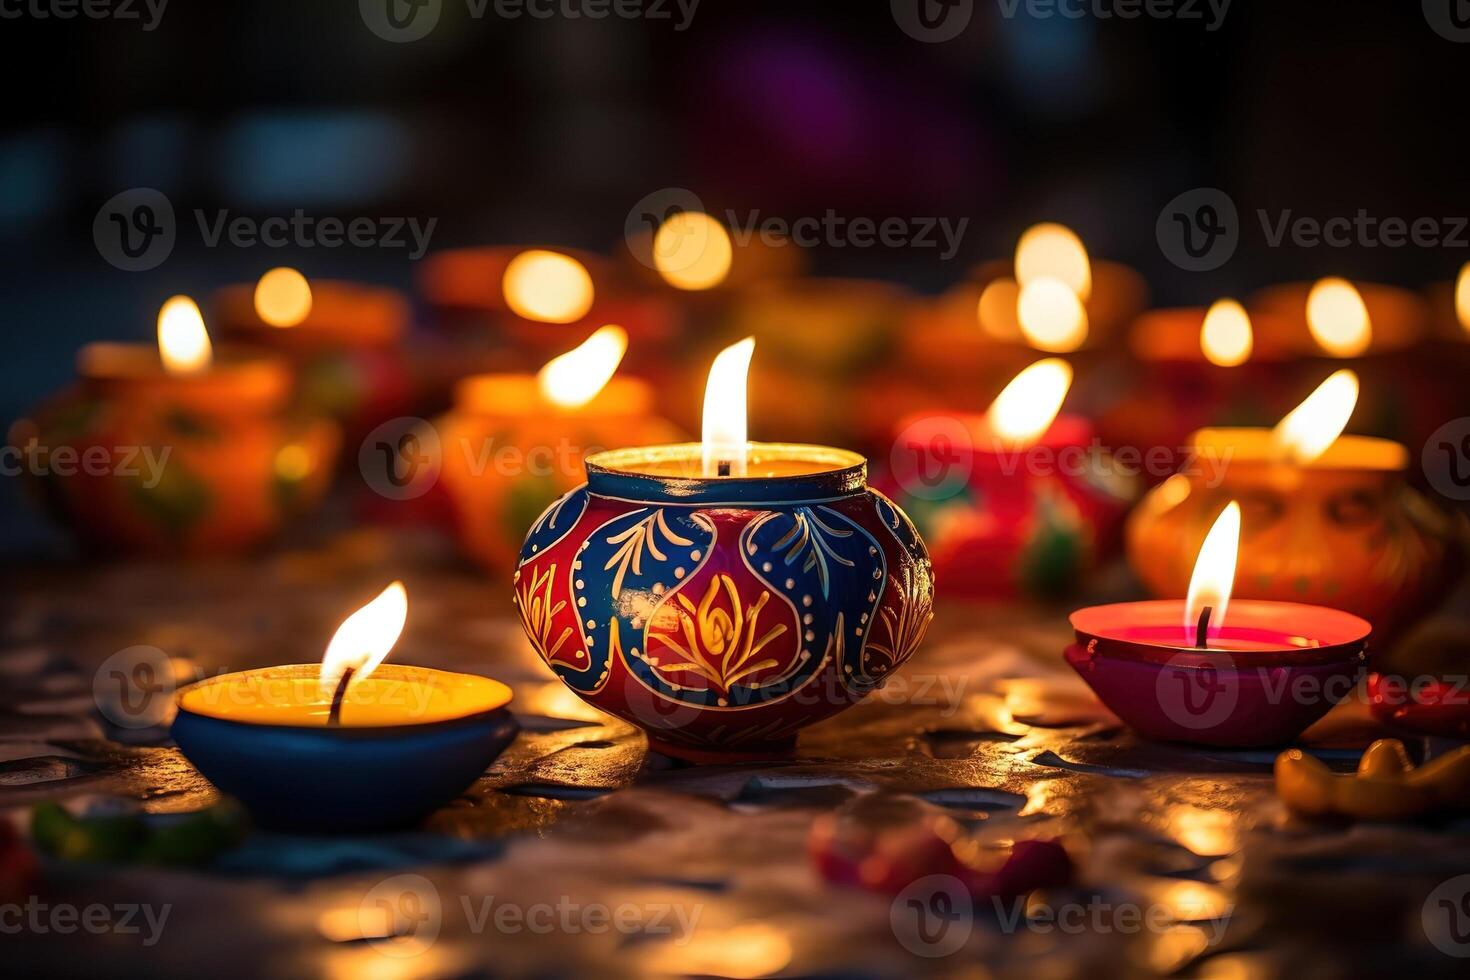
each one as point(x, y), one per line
point(1019, 500)
point(1215, 672)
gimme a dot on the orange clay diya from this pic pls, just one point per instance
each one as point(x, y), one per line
point(1327, 520)
point(515, 442)
point(724, 595)
point(1386, 786)
point(1018, 501)
point(195, 454)
point(343, 339)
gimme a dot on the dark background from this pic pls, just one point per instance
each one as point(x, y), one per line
point(549, 131)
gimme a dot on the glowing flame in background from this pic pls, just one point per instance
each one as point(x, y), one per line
point(547, 286)
point(183, 343)
point(1023, 412)
point(283, 297)
point(1338, 318)
point(1311, 428)
point(692, 251)
point(1226, 336)
point(1053, 251)
point(1052, 316)
point(575, 378)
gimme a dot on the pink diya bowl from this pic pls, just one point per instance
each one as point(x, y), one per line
point(1269, 672)
point(723, 614)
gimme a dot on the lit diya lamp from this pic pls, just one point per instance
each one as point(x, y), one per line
point(1328, 518)
point(348, 745)
point(344, 339)
point(1336, 318)
point(536, 301)
point(1019, 500)
point(722, 595)
point(1192, 366)
point(513, 443)
point(1214, 670)
point(1449, 304)
point(173, 449)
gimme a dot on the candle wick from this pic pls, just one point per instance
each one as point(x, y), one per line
point(1202, 631)
point(723, 468)
point(334, 717)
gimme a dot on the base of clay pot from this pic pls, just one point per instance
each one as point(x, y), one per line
point(757, 752)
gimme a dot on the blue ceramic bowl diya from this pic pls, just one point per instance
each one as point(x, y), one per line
point(409, 743)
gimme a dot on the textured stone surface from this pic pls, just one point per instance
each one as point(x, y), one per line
point(708, 866)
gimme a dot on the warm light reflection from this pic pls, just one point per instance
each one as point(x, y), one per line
point(183, 343)
point(282, 297)
point(748, 950)
point(692, 251)
point(1053, 251)
point(1214, 574)
point(725, 442)
point(1462, 297)
point(547, 286)
point(364, 638)
point(574, 379)
point(1052, 317)
point(1226, 336)
point(1313, 426)
point(1023, 412)
point(1338, 318)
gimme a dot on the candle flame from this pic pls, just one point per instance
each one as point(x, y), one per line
point(183, 343)
point(1053, 251)
point(365, 638)
point(1311, 428)
point(1214, 574)
point(1462, 297)
point(1030, 403)
point(725, 439)
point(547, 286)
point(1338, 318)
point(1226, 336)
point(692, 251)
point(282, 297)
point(1052, 316)
point(575, 378)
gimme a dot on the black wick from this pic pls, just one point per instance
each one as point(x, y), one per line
point(334, 718)
point(1202, 631)
point(723, 469)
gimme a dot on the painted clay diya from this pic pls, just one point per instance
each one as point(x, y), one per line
point(1268, 672)
point(1344, 530)
point(232, 466)
point(723, 614)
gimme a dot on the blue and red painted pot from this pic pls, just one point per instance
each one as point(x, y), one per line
point(722, 615)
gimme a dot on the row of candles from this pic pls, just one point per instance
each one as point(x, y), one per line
point(235, 420)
